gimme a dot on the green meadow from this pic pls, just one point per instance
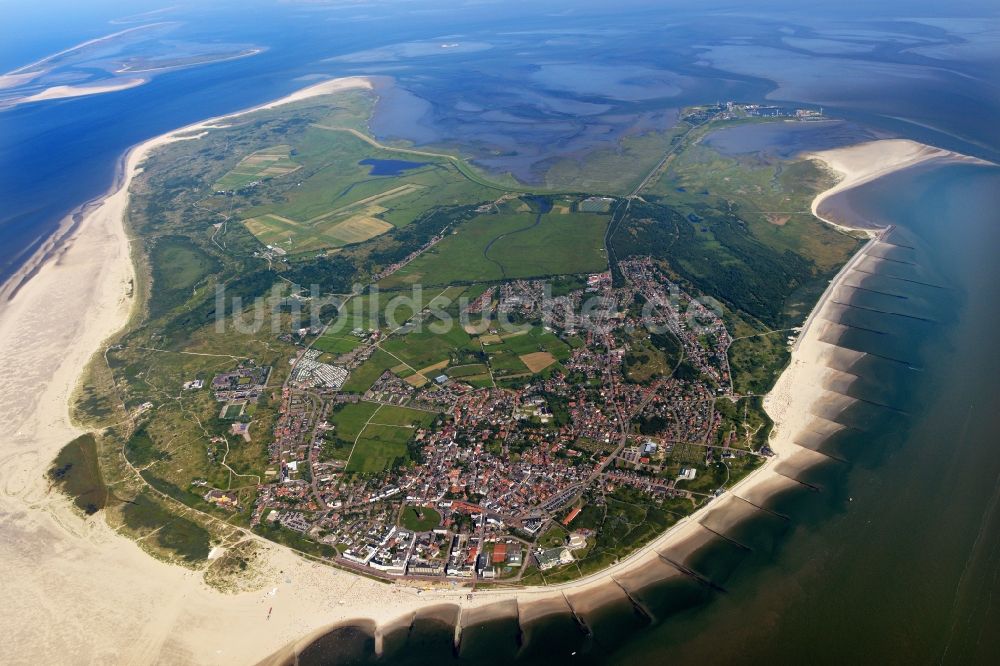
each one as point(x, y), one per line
point(511, 244)
point(378, 433)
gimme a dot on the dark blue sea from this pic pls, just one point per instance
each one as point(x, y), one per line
point(896, 558)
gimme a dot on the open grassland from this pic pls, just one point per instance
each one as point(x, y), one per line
point(536, 339)
point(392, 415)
point(378, 434)
point(146, 518)
point(510, 245)
point(337, 344)
point(351, 419)
point(178, 265)
point(651, 355)
point(772, 197)
point(492, 182)
point(399, 307)
point(363, 377)
point(266, 163)
point(426, 349)
point(379, 448)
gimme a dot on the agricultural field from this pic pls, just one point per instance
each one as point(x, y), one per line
point(339, 197)
point(525, 353)
point(267, 163)
point(512, 244)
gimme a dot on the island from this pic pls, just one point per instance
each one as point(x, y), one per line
point(425, 389)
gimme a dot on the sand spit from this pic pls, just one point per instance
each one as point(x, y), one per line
point(78, 591)
point(12, 79)
point(38, 68)
point(864, 162)
point(61, 92)
point(804, 394)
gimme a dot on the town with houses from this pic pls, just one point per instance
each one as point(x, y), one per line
point(484, 479)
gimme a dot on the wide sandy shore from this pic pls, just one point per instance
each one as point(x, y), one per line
point(811, 387)
point(77, 592)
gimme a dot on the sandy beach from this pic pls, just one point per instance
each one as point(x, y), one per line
point(79, 592)
point(864, 162)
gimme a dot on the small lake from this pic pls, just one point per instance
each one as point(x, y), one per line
point(390, 167)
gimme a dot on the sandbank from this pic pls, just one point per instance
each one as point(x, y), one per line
point(61, 92)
